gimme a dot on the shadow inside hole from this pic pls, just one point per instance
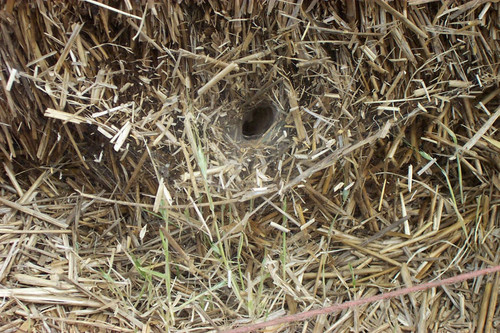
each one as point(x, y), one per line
point(257, 121)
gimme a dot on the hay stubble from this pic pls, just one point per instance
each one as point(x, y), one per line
point(130, 202)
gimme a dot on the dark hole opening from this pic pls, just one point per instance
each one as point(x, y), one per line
point(257, 121)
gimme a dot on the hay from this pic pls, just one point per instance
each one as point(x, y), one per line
point(135, 195)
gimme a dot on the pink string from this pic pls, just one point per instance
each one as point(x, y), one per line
point(349, 304)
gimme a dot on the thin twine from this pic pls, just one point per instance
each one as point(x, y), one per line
point(349, 304)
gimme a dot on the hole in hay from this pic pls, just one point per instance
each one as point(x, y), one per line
point(257, 121)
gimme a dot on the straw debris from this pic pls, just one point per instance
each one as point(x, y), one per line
point(132, 199)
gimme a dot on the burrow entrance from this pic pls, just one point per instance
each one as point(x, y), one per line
point(256, 121)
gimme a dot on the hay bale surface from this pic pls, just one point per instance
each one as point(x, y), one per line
point(196, 166)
